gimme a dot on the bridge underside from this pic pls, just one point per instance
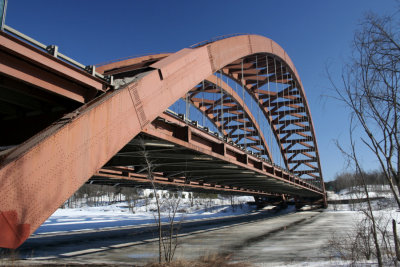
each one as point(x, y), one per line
point(204, 163)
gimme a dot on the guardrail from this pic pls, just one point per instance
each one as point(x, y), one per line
point(53, 50)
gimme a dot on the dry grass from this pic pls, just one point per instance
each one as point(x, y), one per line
point(215, 260)
point(8, 257)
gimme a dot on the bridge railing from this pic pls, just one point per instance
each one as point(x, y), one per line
point(53, 50)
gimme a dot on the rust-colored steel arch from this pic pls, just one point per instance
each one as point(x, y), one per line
point(37, 176)
point(128, 67)
point(286, 109)
point(235, 105)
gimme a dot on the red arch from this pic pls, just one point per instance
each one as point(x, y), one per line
point(263, 46)
point(308, 131)
point(241, 105)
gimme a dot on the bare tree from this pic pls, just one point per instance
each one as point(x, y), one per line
point(170, 233)
point(360, 176)
point(167, 234)
point(150, 176)
point(371, 90)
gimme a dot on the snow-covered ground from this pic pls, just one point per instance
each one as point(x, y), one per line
point(126, 213)
point(357, 193)
point(339, 219)
point(385, 210)
point(112, 213)
point(383, 205)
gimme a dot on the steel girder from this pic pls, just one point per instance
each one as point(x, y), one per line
point(185, 152)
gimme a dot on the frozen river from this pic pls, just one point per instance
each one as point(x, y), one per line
point(263, 240)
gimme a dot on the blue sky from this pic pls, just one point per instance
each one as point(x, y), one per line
point(314, 33)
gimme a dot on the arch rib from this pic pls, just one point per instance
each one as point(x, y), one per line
point(236, 104)
point(292, 99)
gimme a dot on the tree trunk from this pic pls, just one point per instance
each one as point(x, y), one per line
point(372, 218)
point(396, 240)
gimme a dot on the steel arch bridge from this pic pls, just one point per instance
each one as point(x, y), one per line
point(67, 126)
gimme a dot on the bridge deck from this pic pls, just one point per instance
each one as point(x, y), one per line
point(184, 155)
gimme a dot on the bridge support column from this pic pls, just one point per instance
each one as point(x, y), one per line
point(302, 201)
point(279, 201)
